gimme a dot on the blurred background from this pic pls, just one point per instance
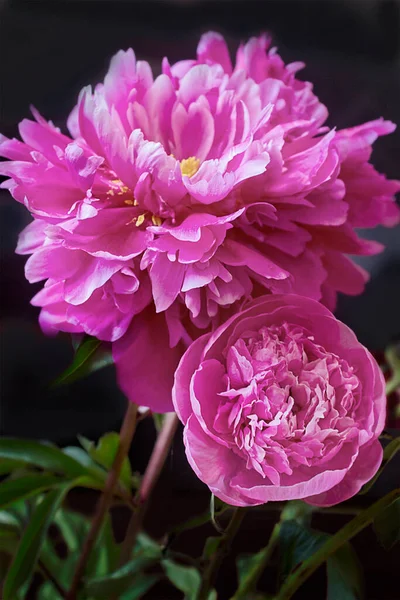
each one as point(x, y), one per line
point(48, 51)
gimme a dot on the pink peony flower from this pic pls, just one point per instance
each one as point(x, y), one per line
point(281, 402)
point(191, 193)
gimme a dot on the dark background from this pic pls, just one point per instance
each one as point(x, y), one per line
point(48, 51)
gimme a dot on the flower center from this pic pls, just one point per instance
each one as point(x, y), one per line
point(289, 401)
point(190, 166)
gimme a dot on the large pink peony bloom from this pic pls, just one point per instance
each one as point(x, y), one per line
point(186, 195)
point(281, 402)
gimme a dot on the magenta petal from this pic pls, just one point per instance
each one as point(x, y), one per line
point(183, 374)
point(233, 253)
point(145, 370)
point(214, 464)
point(364, 468)
point(212, 49)
point(167, 278)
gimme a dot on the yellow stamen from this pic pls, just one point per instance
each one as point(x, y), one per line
point(129, 202)
point(156, 220)
point(190, 166)
point(140, 220)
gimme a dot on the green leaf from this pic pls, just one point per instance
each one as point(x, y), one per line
point(127, 577)
point(48, 592)
point(9, 532)
point(210, 547)
point(74, 528)
point(387, 525)
point(12, 490)
point(344, 575)
point(8, 520)
point(147, 546)
point(105, 554)
point(104, 453)
point(297, 543)
point(186, 579)
point(90, 356)
point(130, 577)
point(388, 453)
point(9, 466)
point(41, 455)
point(141, 585)
point(333, 543)
point(88, 464)
point(246, 563)
point(23, 565)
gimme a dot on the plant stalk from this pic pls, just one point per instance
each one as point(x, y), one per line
point(150, 477)
point(213, 566)
point(127, 431)
point(250, 581)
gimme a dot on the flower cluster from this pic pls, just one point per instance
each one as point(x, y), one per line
point(177, 199)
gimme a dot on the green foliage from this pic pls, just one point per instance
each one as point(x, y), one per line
point(387, 525)
point(299, 543)
point(25, 559)
point(104, 454)
point(39, 454)
point(344, 575)
point(131, 578)
point(186, 579)
point(20, 488)
point(90, 356)
point(296, 544)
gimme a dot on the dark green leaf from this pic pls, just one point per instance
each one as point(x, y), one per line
point(297, 543)
point(9, 466)
point(12, 490)
point(246, 563)
point(41, 455)
point(145, 545)
point(91, 355)
point(119, 581)
point(210, 547)
point(344, 575)
point(186, 579)
point(9, 532)
point(8, 520)
point(387, 525)
point(29, 548)
point(141, 585)
point(104, 557)
point(104, 453)
point(88, 464)
point(74, 528)
point(48, 592)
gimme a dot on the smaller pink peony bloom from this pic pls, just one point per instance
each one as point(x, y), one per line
point(281, 402)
